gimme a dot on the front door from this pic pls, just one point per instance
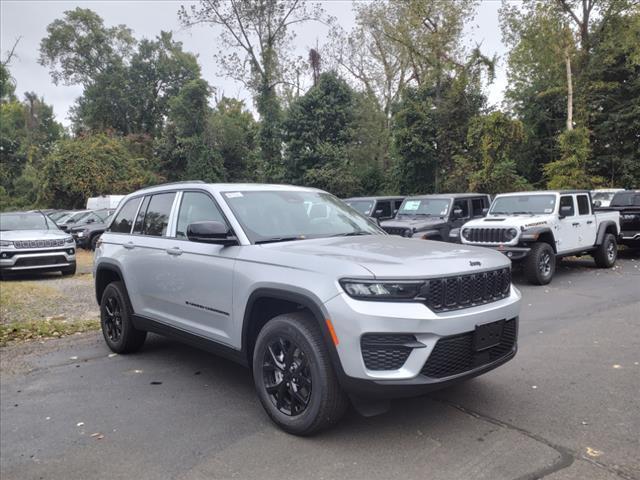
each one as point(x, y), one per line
point(569, 226)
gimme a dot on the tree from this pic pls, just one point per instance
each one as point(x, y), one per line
point(257, 34)
point(570, 170)
point(489, 166)
point(88, 166)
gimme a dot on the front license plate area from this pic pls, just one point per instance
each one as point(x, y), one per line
point(487, 335)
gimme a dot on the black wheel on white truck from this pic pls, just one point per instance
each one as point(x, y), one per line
point(540, 265)
point(607, 252)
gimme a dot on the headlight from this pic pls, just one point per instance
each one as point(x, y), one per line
point(80, 234)
point(5, 243)
point(466, 233)
point(68, 240)
point(511, 234)
point(372, 290)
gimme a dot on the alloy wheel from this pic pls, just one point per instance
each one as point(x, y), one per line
point(113, 319)
point(544, 264)
point(287, 376)
point(611, 251)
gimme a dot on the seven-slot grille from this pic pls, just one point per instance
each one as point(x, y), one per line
point(395, 230)
point(39, 243)
point(456, 354)
point(487, 235)
point(463, 291)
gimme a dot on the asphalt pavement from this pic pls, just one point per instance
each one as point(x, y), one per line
point(567, 407)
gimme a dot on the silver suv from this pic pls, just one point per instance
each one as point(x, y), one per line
point(315, 298)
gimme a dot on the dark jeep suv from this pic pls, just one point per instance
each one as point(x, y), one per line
point(437, 217)
point(381, 208)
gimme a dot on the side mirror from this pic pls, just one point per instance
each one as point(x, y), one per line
point(210, 232)
point(377, 213)
point(597, 203)
point(91, 220)
point(395, 212)
point(457, 213)
point(565, 211)
point(485, 211)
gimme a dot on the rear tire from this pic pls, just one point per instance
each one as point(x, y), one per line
point(115, 319)
point(294, 377)
point(607, 252)
point(540, 264)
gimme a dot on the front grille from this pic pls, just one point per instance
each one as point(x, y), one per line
point(487, 235)
point(455, 355)
point(386, 351)
point(39, 243)
point(395, 230)
point(40, 261)
point(463, 291)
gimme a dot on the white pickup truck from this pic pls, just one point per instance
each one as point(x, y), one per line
point(538, 227)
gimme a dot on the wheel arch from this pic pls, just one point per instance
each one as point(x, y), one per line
point(540, 234)
point(608, 226)
point(107, 273)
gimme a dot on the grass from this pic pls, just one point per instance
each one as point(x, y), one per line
point(37, 330)
point(16, 296)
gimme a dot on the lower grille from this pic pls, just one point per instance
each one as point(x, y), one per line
point(455, 355)
point(454, 293)
point(40, 261)
point(386, 351)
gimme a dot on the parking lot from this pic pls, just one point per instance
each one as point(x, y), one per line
point(567, 407)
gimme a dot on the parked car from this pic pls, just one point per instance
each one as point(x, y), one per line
point(538, 227)
point(30, 241)
point(602, 196)
point(81, 218)
point(56, 214)
point(86, 236)
point(627, 203)
point(380, 208)
point(318, 310)
point(434, 217)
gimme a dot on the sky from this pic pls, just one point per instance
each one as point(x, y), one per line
point(28, 21)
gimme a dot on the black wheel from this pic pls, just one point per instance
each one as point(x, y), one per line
point(607, 253)
point(293, 375)
point(68, 271)
point(115, 318)
point(94, 242)
point(540, 264)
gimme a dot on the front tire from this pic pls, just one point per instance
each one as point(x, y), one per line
point(115, 319)
point(607, 253)
point(540, 264)
point(293, 375)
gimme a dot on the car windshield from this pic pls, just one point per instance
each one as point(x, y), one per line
point(57, 215)
point(24, 221)
point(602, 196)
point(72, 217)
point(363, 206)
point(281, 215)
point(626, 199)
point(523, 204)
point(425, 206)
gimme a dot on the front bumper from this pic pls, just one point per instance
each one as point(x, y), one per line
point(513, 253)
point(354, 320)
point(17, 260)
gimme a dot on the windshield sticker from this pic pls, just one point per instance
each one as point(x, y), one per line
point(444, 212)
point(233, 194)
point(412, 205)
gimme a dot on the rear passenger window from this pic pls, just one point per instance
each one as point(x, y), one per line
point(385, 207)
point(196, 207)
point(124, 220)
point(156, 218)
point(583, 205)
point(567, 201)
point(477, 205)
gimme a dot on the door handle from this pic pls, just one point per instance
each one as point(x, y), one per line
point(576, 224)
point(589, 222)
point(174, 251)
point(129, 245)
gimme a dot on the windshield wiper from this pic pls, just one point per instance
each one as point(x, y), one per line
point(351, 234)
point(279, 239)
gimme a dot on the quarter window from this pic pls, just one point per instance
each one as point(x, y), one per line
point(196, 207)
point(123, 222)
point(583, 205)
point(156, 218)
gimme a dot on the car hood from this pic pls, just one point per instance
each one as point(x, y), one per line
point(511, 221)
point(414, 223)
point(384, 256)
point(13, 235)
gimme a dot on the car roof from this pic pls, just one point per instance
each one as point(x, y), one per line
point(542, 192)
point(450, 195)
point(385, 197)
point(226, 187)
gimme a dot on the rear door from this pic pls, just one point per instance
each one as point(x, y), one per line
point(383, 210)
point(202, 273)
point(588, 227)
point(568, 227)
point(462, 204)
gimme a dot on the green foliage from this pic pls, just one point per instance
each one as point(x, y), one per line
point(7, 87)
point(570, 171)
point(87, 166)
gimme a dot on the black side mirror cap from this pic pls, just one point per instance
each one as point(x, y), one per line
point(211, 232)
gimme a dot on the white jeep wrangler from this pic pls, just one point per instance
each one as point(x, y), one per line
point(538, 227)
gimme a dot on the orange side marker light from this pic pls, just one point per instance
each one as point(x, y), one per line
point(334, 337)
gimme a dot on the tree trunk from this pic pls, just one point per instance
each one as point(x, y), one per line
point(567, 60)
